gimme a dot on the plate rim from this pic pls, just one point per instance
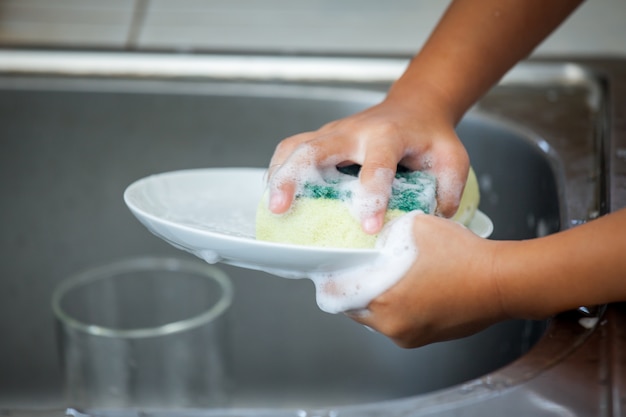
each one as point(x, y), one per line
point(240, 240)
point(221, 236)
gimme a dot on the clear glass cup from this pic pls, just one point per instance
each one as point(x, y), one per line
point(145, 332)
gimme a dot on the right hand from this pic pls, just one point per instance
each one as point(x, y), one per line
point(378, 138)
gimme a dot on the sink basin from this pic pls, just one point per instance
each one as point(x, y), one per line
point(74, 139)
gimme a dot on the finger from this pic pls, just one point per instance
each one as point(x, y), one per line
point(376, 176)
point(290, 154)
point(449, 162)
point(451, 172)
point(301, 164)
point(285, 148)
point(325, 149)
point(281, 191)
point(281, 197)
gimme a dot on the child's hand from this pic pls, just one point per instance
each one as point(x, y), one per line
point(449, 292)
point(378, 139)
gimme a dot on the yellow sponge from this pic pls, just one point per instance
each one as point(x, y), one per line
point(320, 214)
point(469, 200)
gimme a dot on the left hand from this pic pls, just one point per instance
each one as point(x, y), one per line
point(449, 291)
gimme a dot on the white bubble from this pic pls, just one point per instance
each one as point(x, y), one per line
point(366, 202)
point(355, 288)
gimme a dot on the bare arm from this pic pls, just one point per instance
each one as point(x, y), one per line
point(475, 43)
point(582, 266)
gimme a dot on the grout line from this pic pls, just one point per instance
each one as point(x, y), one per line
point(139, 16)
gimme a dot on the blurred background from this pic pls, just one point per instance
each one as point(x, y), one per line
point(304, 26)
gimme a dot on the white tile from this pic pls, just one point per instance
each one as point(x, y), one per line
point(372, 26)
point(320, 25)
point(355, 26)
point(65, 22)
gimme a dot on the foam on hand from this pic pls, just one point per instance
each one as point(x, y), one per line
point(354, 288)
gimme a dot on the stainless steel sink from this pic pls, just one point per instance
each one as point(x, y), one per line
point(78, 127)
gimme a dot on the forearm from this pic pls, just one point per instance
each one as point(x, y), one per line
point(475, 43)
point(585, 265)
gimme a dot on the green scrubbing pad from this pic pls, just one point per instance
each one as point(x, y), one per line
point(409, 191)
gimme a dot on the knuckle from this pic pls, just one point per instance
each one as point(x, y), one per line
point(386, 128)
point(290, 143)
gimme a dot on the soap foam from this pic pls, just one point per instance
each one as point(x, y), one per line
point(367, 202)
point(299, 167)
point(354, 288)
point(450, 186)
point(302, 167)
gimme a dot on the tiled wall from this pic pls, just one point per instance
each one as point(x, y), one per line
point(65, 22)
point(361, 26)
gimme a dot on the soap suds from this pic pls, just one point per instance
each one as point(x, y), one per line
point(300, 166)
point(366, 202)
point(450, 186)
point(354, 288)
point(426, 162)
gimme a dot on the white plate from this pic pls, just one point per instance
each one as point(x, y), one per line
point(211, 213)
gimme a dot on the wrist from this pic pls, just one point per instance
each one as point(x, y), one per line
point(526, 278)
point(416, 94)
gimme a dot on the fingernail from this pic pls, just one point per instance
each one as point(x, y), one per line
point(371, 225)
point(277, 201)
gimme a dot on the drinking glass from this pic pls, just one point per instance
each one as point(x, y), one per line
point(145, 332)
